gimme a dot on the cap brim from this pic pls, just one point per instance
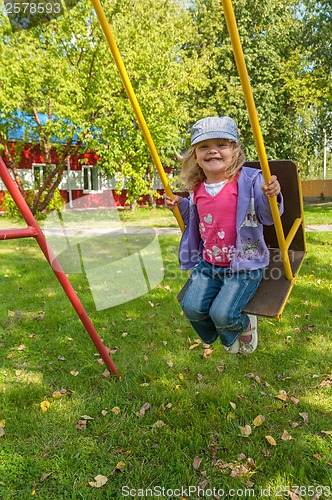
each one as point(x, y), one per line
point(213, 135)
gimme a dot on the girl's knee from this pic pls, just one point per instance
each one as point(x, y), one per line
point(222, 319)
point(192, 311)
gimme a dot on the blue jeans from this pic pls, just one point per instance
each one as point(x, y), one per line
point(215, 299)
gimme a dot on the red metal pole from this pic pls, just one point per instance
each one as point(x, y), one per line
point(37, 233)
point(11, 234)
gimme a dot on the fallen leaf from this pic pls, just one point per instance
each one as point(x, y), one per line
point(294, 400)
point(2, 431)
point(181, 377)
point(170, 364)
point(120, 466)
point(158, 424)
point(86, 417)
point(45, 476)
point(283, 376)
point(199, 377)
point(99, 481)
point(245, 431)
point(282, 396)
point(116, 410)
point(21, 347)
point(104, 412)
point(329, 433)
point(203, 484)
point(197, 462)
point(166, 407)
point(74, 373)
point(220, 368)
point(207, 352)
point(251, 463)
point(45, 405)
point(81, 424)
point(271, 440)
point(57, 395)
point(143, 409)
point(259, 420)
point(61, 358)
point(239, 471)
point(286, 436)
point(233, 405)
point(305, 417)
point(193, 346)
point(106, 373)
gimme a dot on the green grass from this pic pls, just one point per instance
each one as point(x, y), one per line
point(201, 401)
point(318, 214)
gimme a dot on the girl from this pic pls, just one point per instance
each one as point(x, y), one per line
point(223, 240)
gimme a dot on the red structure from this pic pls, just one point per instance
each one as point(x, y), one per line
point(81, 177)
point(33, 230)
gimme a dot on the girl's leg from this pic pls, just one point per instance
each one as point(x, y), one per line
point(196, 303)
point(226, 310)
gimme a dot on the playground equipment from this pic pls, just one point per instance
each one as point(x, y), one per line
point(33, 230)
point(287, 253)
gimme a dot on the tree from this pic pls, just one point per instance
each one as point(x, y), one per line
point(269, 36)
point(317, 66)
point(65, 69)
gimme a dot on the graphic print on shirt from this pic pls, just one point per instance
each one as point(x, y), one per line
point(251, 218)
point(217, 222)
point(216, 249)
point(249, 248)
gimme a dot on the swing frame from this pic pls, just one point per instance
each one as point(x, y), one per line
point(266, 302)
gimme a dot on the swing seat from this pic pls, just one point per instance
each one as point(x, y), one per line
point(274, 290)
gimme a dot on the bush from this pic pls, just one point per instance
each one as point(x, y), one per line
point(11, 208)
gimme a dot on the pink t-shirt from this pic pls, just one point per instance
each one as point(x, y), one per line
point(217, 222)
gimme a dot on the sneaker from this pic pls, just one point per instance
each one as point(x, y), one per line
point(233, 348)
point(249, 347)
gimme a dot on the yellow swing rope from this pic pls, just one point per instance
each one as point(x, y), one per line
point(248, 96)
point(135, 105)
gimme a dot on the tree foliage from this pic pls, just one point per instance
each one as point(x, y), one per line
point(65, 69)
point(180, 62)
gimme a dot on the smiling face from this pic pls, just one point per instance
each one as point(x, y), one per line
point(214, 156)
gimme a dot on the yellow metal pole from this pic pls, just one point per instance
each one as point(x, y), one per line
point(135, 105)
point(244, 78)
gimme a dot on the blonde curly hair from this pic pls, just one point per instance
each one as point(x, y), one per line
point(192, 175)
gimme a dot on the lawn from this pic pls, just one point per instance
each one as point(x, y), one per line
point(182, 420)
point(320, 213)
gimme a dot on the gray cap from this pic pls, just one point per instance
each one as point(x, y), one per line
point(214, 127)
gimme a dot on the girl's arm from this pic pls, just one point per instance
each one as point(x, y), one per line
point(182, 203)
point(263, 192)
